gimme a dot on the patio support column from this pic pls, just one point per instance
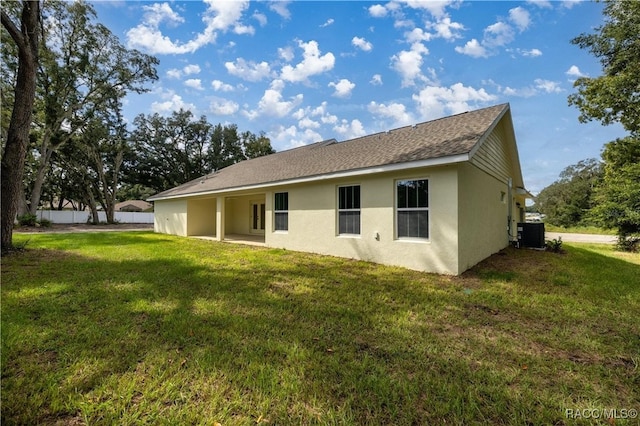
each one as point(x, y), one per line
point(220, 216)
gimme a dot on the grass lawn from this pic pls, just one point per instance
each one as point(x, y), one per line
point(139, 328)
point(579, 229)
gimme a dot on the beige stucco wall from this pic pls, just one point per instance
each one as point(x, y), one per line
point(201, 216)
point(313, 221)
point(238, 213)
point(467, 215)
point(484, 210)
point(170, 217)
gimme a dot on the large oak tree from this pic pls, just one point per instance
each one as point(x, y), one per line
point(26, 36)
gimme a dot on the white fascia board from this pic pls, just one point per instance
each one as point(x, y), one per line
point(336, 175)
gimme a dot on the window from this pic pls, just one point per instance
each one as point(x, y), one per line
point(412, 202)
point(281, 211)
point(349, 210)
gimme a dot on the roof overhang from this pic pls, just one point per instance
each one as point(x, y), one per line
point(525, 192)
point(431, 162)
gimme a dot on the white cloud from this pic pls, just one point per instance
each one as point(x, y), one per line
point(350, 130)
point(574, 71)
point(568, 4)
point(436, 8)
point(545, 4)
point(520, 17)
point(547, 86)
point(272, 103)
point(417, 35)
point(158, 13)
point(172, 103)
point(377, 11)
point(539, 86)
point(248, 70)
point(473, 48)
point(320, 112)
point(191, 69)
point(174, 73)
point(219, 86)
point(446, 29)
point(286, 53)
point(307, 123)
point(313, 63)
point(281, 8)
point(219, 16)
point(291, 137)
point(533, 53)
point(435, 102)
point(342, 88)
point(408, 63)
point(376, 80)
point(395, 111)
point(261, 18)
point(362, 44)
point(221, 106)
point(187, 70)
point(194, 83)
point(498, 34)
point(525, 92)
point(330, 21)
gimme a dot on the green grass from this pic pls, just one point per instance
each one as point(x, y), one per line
point(579, 229)
point(139, 328)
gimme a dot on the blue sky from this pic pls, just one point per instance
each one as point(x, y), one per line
point(304, 71)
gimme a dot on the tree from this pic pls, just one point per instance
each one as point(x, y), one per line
point(618, 198)
point(256, 146)
point(614, 96)
point(170, 151)
point(84, 70)
point(26, 38)
point(568, 200)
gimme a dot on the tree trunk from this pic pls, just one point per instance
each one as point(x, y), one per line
point(26, 38)
point(41, 175)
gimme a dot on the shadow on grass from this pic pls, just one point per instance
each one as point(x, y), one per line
point(239, 335)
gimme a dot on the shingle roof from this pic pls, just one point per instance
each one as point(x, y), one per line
point(444, 137)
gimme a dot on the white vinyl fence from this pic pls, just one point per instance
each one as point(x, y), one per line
point(72, 216)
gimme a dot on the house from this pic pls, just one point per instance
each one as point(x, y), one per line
point(439, 196)
point(133, 206)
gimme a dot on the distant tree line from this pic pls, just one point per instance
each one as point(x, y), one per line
point(606, 193)
point(79, 148)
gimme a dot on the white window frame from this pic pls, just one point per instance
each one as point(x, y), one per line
point(397, 210)
point(282, 212)
point(358, 210)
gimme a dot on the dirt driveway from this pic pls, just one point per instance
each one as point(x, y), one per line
point(83, 227)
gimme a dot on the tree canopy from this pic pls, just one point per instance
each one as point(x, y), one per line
point(169, 151)
point(615, 95)
point(568, 200)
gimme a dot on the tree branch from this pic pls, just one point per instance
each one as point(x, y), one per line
point(14, 32)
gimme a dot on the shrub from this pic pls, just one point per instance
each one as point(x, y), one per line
point(28, 219)
point(45, 223)
point(628, 243)
point(554, 245)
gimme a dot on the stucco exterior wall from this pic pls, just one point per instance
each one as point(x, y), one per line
point(313, 221)
point(484, 211)
point(170, 217)
point(238, 213)
point(201, 216)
